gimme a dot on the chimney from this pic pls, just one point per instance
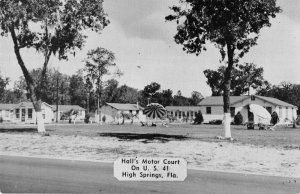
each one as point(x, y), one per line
point(137, 104)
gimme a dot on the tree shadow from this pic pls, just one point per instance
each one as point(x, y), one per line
point(18, 130)
point(146, 138)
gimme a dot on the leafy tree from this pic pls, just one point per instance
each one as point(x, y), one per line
point(3, 83)
point(180, 100)
point(51, 27)
point(243, 78)
point(78, 90)
point(53, 80)
point(196, 98)
point(165, 98)
point(126, 94)
point(97, 65)
point(233, 26)
point(89, 89)
point(215, 80)
point(110, 91)
point(151, 91)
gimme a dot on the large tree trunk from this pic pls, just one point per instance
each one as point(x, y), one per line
point(39, 116)
point(37, 103)
point(97, 119)
point(226, 94)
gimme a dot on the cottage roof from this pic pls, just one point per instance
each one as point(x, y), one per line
point(7, 106)
point(125, 107)
point(183, 108)
point(218, 100)
point(65, 108)
point(29, 105)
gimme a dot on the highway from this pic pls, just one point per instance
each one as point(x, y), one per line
point(36, 175)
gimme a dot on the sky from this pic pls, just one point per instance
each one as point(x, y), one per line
point(145, 51)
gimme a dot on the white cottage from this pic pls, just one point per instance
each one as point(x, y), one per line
point(62, 109)
point(113, 111)
point(212, 107)
point(6, 112)
point(24, 113)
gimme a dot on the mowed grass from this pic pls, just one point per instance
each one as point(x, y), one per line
point(283, 137)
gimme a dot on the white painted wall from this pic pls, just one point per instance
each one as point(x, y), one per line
point(217, 111)
point(46, 110)
point(6, 115)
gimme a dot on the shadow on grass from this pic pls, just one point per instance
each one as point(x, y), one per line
point(18, 130)
point(147, 138)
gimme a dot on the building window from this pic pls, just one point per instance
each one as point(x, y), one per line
point(17, 113)
point(208, 110)
point(252, 98)
point(232, 111)
point(269, 109)
point(192, 114)
point(172, 113)
point(176, 114)
point(180, 114)
point(30, 113)
point(137, 112)
point(188, 114)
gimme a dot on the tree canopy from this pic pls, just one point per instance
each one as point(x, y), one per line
point(232, 26)
point(51, 27)
point(243, 78)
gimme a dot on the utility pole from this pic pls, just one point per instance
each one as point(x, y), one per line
point(57, 97)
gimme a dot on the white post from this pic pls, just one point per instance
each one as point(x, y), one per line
point(226, 125)
point(40, 122)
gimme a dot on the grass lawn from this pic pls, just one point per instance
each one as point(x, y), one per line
point(288, 138)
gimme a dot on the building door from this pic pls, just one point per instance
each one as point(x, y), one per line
point(23, 113)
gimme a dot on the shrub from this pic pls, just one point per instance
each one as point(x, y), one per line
point(298, 120)
point(215, 122)
point(104, 119)
point(274, 118)
point(87, 118)
point(198, 118)
point(238, 119)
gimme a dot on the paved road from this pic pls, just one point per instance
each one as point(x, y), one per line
point(22, 174)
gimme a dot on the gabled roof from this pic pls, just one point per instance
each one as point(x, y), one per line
point(183, 108)
point(29, 105)
point(125, 107)
point(65, 108)
point(276, 101)
point(7, 106)
point(218, 101)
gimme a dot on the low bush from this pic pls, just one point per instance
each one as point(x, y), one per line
point(104, 119)
point(274, 118)
point(298, 120)
point(198, 118)
point(238, 119)
point(215, 122)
